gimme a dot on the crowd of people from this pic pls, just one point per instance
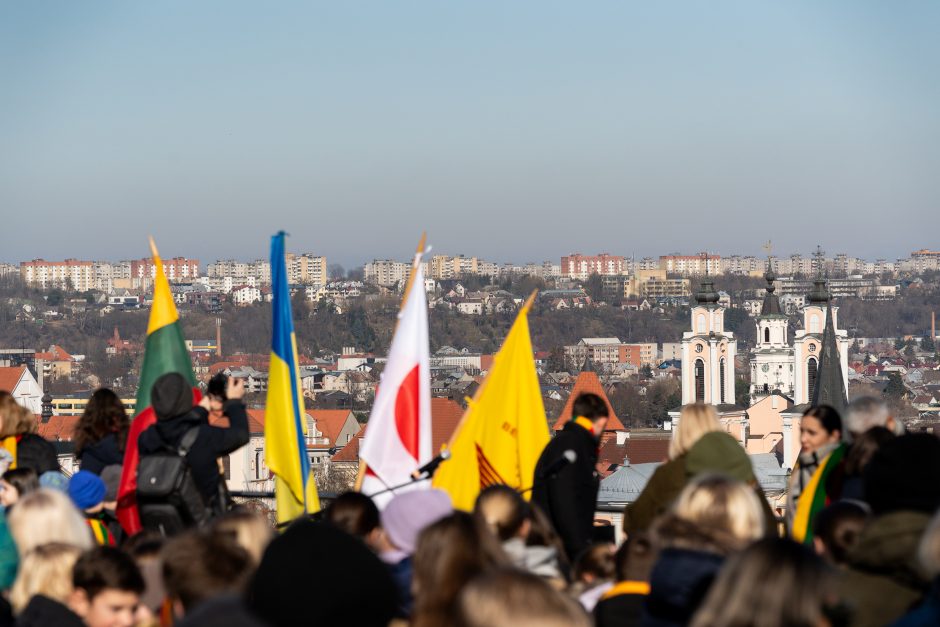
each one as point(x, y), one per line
point(859, 543)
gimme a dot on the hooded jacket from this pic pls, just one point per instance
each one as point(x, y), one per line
point(568, 496)
point(884, 579)
point(32, 451)
point(211, 443)
point(678, 584)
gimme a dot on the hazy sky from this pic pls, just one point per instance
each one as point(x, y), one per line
point(512, 130)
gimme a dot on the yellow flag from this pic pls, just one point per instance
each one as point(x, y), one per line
point(504, 429)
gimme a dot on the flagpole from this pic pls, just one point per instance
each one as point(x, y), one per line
point(361, 473)
point(471, 401)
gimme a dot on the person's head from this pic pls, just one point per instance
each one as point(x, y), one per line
point(250, 530)
point(87, 490)
point(47, 516)
point(774, 583)
point(511, 598)
point(713, 512)
point(866, 412)
point(504, 512)
point(837, 528)
point(408, 513)
point(46, 570)
point(864, 447)
point(820, 425)
point(216, 391)
point(695, 420)
point(353, 587)
point(198, 566)
point(450, 552)
point(594, 564)
point(17, 483)
point(106, 588)
point(14, 418)
point(355, 513)
point(104, 414)
point(634, 560)
point(171, 396)
point(592, 407)
point(896, 478)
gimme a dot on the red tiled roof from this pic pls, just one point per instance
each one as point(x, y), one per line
point(9, 377)
point(636, 450)
point(588, 382)
point(445, 416)
point(330, 421)
point(59, 427)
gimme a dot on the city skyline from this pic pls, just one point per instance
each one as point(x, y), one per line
point(521, 128)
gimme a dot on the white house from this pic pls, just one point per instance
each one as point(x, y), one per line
point(22, 385)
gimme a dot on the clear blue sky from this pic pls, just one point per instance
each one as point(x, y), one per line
point(512, 130)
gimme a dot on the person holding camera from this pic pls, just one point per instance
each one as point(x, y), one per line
point(172, 401)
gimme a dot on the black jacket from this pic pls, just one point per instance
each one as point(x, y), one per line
point(678, 584)
point(41, 611)
point(568, 496)
point(211, 444)
point(105, 452)
point(32, 451)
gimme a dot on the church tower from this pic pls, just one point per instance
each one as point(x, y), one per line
point(708, 352)
point(808, 343)
point(772, 357)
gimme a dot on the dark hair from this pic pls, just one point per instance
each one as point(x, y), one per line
point(144, 545)
point(838, 526)
point(635, 558)
point(596, 560)
point(353, 512)
point(590, 406)
point(198, 566)
point(25, 480)
point(106, 568)
point(827, 416)
point(864, 447)
point(104, 414)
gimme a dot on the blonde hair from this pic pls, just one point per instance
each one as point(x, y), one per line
point(773, 583)
point(45, 570)
point(14, 418)
point(502, 510)
point(721, 504)
point(250, 530)
point(695, 420)
point(46, 516)
point(512, 598)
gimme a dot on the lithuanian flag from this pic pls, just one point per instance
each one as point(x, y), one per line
point(504, 429)
point(814, 497)
point(165, 351)
point(285, 427)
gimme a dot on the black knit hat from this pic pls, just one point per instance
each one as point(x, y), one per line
point(903, 475)
point(171, 396)
point(315, 571)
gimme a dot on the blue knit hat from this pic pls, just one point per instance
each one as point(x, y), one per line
point(86, 489)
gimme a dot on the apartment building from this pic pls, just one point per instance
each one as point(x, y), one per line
point(691, 265)
point(306, 269)
point(177, 269)
point(69, 274)
point(386, 272)
point(578, 266)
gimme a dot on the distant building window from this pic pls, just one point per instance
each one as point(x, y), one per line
point(721, 378)
point(699, 381)
point(814, 324)
point(767, 334)
point(811, 367)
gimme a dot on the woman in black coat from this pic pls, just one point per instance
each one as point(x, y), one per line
point(101, 432)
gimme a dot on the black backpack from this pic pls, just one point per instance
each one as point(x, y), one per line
point(167, 496)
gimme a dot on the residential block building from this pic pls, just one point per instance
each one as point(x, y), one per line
point(578, 266)
point(69, 274)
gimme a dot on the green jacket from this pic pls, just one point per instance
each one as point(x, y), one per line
point(660, 491)
point(884, 578)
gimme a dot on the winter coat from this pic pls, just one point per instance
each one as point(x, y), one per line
point(678, 585)
point(660, 491)
point(41, 611)
point(927, 614)
point(227, 610)
point(568, 496)
point(884, 579)
point(538, 560)
point(211, 443)
point(622, 605)
point(105, 452)
point(32, 451)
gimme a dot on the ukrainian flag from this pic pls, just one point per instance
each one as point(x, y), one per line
point(285, 425)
